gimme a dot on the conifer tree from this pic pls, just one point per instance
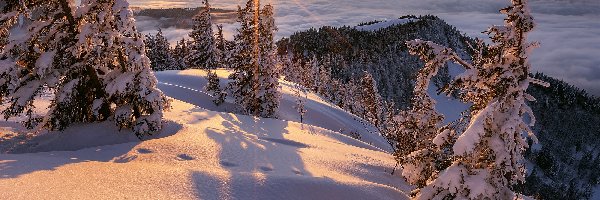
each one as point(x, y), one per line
point(417, 128)
point(159, 52)
point(180, 53)
point(91, 57)
point(223, 51)
point(370, 99)
point(203, 52)
point(214, 88)
point(255, 78)
point(300, 95)
point(487, 157)
point(269, 72)
point(245, 61)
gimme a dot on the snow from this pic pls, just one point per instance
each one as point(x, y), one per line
point(201, 154)
point(44, 63)
point(384, 24)
point(596, 192)
point(472, 136)
point(188, 86)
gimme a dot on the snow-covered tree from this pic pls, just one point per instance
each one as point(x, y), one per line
point(254, 81)
point(214, 88)
point(159, 52)
point(370, 99)
point(417, 128)
point(268, 69)
point(180, 53)
point(488, 156)
point(223, 49)
point(301, 96)
point(203, 52)
point(91, 57)
point(245, 63)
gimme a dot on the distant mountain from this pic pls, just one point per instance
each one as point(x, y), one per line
point(379, 50)
point(566, 162)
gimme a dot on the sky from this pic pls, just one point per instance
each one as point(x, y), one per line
point(568, 30)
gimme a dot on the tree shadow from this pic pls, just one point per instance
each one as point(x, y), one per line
point(55, 149)
point(253, 150)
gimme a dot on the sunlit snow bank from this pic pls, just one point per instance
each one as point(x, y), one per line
point(188, 86)
point(201, 155)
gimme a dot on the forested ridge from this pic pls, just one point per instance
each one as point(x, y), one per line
point(565, 163)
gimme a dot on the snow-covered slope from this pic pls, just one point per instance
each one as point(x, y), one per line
point(200, 154)
point(188, 86)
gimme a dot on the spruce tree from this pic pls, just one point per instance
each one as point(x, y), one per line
point(203, 52)
point(245, 63)
point(180, 53)
point(487, 158)
point(268, 69)
point(300, 95)
point(159, 52)
point(255, 78)
point(222, 46)
point(371, 101)
point(91, 57)
point(417, 127)
point(214, 88)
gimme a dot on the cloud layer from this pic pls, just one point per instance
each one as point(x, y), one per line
point(569, 30)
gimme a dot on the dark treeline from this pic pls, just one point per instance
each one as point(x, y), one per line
point(382, 53)
point(567, 160)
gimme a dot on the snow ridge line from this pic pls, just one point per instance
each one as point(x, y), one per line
point(334, 106)
point(187, 88)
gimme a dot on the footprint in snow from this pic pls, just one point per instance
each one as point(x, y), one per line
point(125, 159)
point(144, 151)
point(297, 172)
point(266, 169)
point(184, 157)
point(228, 164)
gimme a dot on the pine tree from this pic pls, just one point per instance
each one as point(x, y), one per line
point(370, 99)
point(415, 147)
point(180, 52)
point(245, 61)
point(203, 53)
point(214, 88)
point(487, 157)
point(299, 91)
point(150, 43)
point(94, 63)
point(223, 51)
point(255, 78)
point(159, 52)
point(269, 71)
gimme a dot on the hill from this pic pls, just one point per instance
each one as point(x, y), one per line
point(200, 154)
point(564, 165)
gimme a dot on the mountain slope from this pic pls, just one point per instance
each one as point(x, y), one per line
point(566, 162)
point(199, 154)
point(188, 86)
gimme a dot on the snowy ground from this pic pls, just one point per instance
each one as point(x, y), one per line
point(200, 154)
point(188, 86)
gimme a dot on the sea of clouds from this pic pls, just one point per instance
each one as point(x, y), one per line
point(568, 30)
